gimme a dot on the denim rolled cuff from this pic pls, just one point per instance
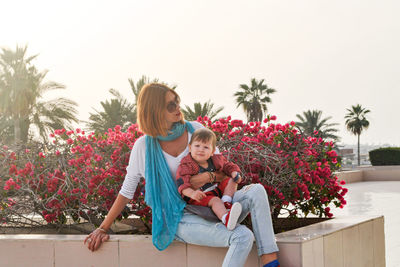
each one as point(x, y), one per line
point(267, 249)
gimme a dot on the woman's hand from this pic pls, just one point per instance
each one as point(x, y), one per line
point(95, 239)
point(219, 176)
point(199, 180)
point(98, 236)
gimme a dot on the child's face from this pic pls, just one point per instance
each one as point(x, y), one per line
point(201, 151)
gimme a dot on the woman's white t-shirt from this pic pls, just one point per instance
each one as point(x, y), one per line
point(137, 159)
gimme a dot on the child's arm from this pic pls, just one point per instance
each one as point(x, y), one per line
point(183, 177)
point(229, 168)
point(193, 194)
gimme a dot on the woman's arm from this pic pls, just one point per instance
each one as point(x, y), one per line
point(98, 236)
point(201, 179)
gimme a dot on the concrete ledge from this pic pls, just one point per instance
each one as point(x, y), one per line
point(370, 173)
point(381, 173)
point(350, 176)
point(337, 242)
point(347, 241)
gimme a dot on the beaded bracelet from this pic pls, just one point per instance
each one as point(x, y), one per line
point(101, 229)
point(211, 176)
point(214, 177)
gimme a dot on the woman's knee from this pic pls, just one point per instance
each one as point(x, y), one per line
point(242, 235)
point(257, 191)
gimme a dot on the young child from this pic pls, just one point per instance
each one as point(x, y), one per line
point(217, 196)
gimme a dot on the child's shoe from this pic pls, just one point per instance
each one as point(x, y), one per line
point(233, 216)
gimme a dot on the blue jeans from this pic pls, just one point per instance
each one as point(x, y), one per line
point(193, 229)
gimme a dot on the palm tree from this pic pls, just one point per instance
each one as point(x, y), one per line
point(21, 88)
point(311, 121)
point(6, 130)
point(356, 122)
point(254, 99)
point(117, 111)
point(16, 91)
point(201, 110)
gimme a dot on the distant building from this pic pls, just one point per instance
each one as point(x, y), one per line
point(346, 152)
point(349, 158)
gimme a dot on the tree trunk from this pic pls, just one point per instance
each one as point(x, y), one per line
point(17, 130)
point(24, 129)
point(358, 149)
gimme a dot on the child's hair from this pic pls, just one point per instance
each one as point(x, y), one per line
point(204, 135)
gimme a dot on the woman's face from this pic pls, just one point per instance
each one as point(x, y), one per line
point(172, 111)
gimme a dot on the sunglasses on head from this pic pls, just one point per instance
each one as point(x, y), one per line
point(173, 105)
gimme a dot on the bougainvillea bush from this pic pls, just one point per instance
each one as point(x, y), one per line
point(77, 177)
point(296, 171)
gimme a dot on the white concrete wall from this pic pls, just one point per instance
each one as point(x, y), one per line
point(370, 173)
point(339, 242)
point(381, 173)
point(350, 176)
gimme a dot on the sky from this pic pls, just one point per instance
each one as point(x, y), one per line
point(317, 54)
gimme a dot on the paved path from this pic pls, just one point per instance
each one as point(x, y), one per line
point(377, 198)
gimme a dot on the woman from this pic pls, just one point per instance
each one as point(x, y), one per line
point(156, 157)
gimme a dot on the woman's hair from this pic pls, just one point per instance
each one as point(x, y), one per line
point(151, 108)
point(204, 135)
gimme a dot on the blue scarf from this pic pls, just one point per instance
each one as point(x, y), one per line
point(161, 191)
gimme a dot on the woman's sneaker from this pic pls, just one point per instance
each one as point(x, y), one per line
point(233, 216)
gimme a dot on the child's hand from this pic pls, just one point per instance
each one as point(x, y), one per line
point(237, 176)
point(233, 174)
point(197, 195)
